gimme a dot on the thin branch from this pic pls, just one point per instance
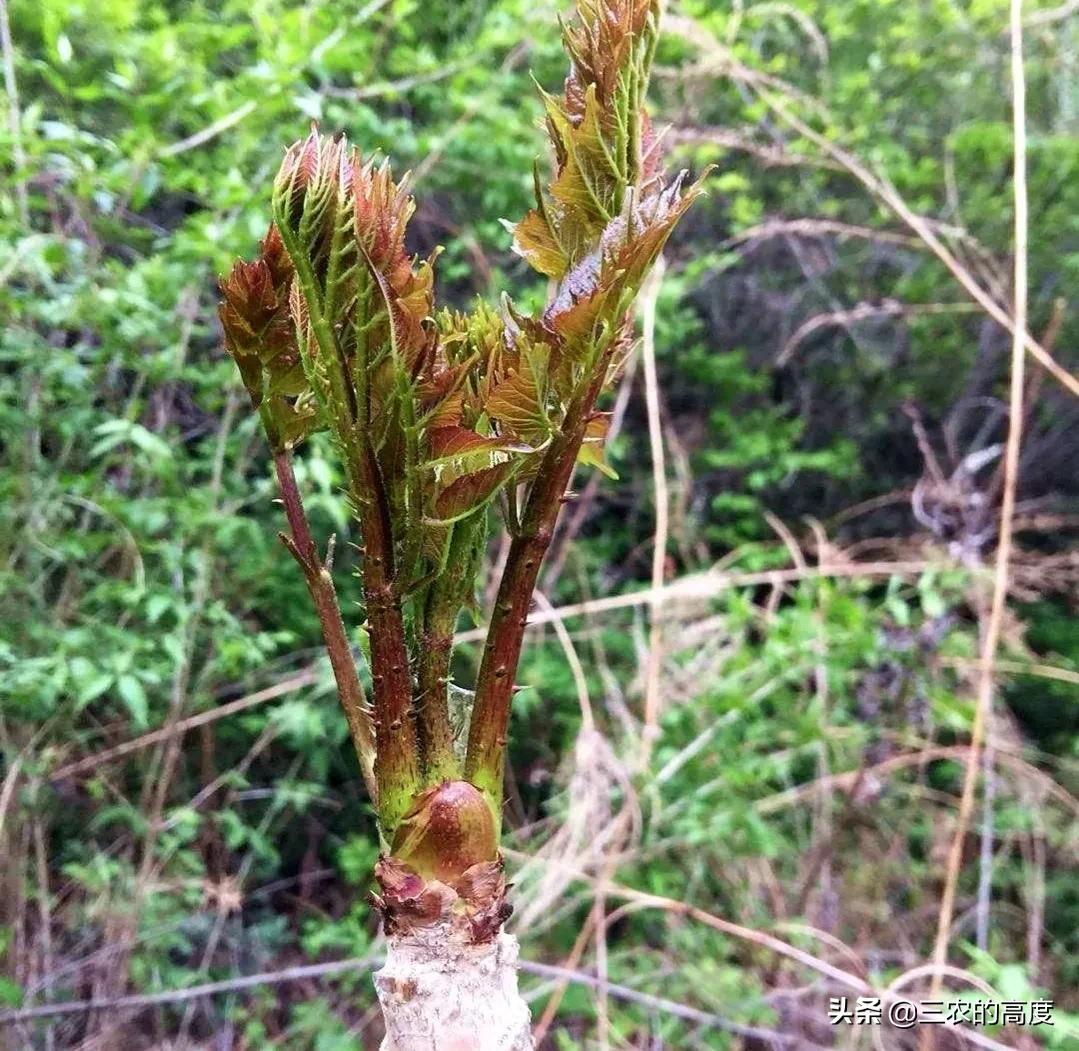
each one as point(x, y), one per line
point(721, 61)
point(655, 1003)
point(394, 87)
point(1056, 14)
point(985, 855)
point(761, 939)
point(603, 1017)
point(699, 587)
point(890, 196)
point(588, 720)
point(819, 228)
point(862, 312)
point(366, 963)
point(177, 996)
point(1042, 671)
point(200, 138)
point(568, 968)
point(7, 788)
point(165, 762)
point(690, 588)
point(849, 782)
point(776, 94)
point(308, 677)
point(991, 639)
point(423, 169)
point(320, 584)
point(652, 700)
point(770, 156)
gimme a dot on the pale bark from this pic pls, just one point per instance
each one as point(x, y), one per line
point(439, 992)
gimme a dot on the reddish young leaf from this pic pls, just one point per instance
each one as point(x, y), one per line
point(518, 401)
point(261, 337)
point(470, 492)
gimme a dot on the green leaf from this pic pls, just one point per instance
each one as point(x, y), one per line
point(157, 606)
point(93, 688)
point(458, 445)
point(133, 695)
point(10, 992)
point(592, 456)
point(117, 432)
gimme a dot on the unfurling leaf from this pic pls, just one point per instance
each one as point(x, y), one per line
point(260, 335)
point(535, 241)
point(450, 444)
point(601, 138)
point(470, 492)
point(518, 401)
point(592, 452)
point(601, 287)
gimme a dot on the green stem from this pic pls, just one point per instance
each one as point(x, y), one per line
point(445, 598)
point(396, 759)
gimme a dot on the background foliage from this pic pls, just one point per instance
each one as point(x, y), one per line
point(805, 777)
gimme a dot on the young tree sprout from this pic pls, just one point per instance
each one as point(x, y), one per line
point(437, 418)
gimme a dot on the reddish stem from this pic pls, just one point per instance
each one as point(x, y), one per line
point(320, 584)
point(485, 761)
point(396, 761)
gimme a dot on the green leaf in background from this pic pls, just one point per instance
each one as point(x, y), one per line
point(133, 694)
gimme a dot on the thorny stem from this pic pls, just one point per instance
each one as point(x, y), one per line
point(301, 544)
point(396, 764)
point(485, 761)
point(444, 600)
point(432, 711)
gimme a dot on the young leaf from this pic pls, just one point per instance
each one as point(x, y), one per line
point(260, 334)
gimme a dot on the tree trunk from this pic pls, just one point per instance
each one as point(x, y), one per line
point(450, 980)
point(442, 992)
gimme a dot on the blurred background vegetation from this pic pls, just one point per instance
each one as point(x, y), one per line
point(179, 804)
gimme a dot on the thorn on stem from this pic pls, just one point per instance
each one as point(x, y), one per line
point(294, 550)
